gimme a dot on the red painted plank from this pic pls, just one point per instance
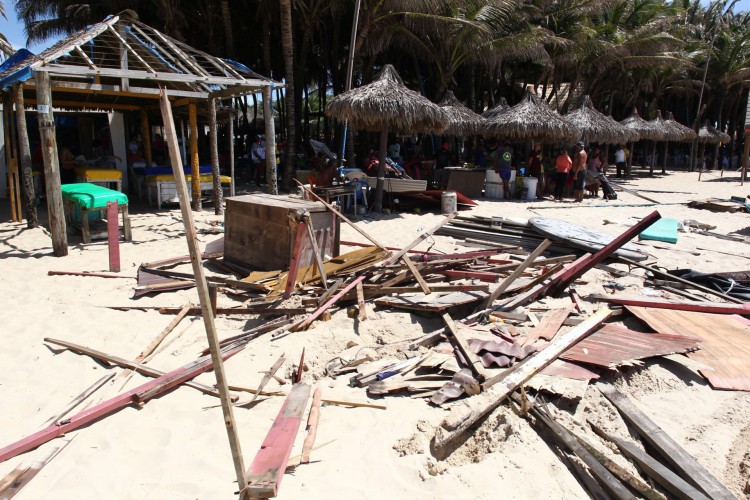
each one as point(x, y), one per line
point(113, 236)
point(328, 304)
point(267, 469)
point(656, 303)
point(291, 277)
point(166, 381)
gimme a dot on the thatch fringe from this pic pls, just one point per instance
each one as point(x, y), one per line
point(710, 135)
point(501, 107)
point(533, 119)
point(596, 126)
point(641, 128)
point(461, 121)
point(681, 132)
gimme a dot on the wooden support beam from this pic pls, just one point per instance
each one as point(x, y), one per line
point(580, 267)
point(268, 467)
point(200, 279)
point(517, 272)
point(682, 462)
point(512, 379)
point(676, 305)
point(174, 378)
point(51, 166)
point(194, 159)
point(24, 159)
point(215, 174)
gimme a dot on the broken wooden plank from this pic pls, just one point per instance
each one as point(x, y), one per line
point(436, 303)
point(97, 275)
point(517, 272)
point(361, 303)
point(294, 266)
point(417, 275)
point(549, 325)
point(312, 317)
point(261, 309)
point(312, 426)
point(78, 399)
point(21, 476)
point(578, 268)
point(176, 377)
point(475, 363)
point(267, 470)
point(267, 376)
point(658, 303)
point(516, 376)
point(419, 239)
point(682, 462)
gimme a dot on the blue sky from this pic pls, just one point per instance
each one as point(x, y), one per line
point(13, 29)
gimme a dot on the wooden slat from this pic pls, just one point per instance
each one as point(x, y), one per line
point(312, 426)
point(549, 325)
point(682, 462)
point(417, 275)
point(517, 272)
point(658, 303)
point(475, 363)
point(267, 470)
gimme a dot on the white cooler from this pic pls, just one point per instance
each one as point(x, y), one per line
point(493, 184)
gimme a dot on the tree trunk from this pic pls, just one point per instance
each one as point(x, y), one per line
point(194, 160)
point(24, 156)
point(273, 186)
point(378, 204)
point(226, 18)
point(288, 53)
point(215, 174)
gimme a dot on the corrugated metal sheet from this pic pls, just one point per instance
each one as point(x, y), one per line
point(612, 346)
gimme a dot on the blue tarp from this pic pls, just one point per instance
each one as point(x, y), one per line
point(20, 75)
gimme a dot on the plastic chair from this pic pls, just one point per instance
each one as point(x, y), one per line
point(362, 188)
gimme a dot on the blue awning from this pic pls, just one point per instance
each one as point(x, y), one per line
point(21, 74)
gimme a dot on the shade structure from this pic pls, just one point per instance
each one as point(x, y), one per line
point(681, 133)
point(664, 131)
point(532, 119)
point(501, 107)
point(595, 126)
point(640, 127)
point(710, 135)
point(387, 103)
point(460, 120)
point(382, 105)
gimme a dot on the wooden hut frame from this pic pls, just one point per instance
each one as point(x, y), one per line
point(121, 64)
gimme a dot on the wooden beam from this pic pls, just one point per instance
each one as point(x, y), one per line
point(417, 275)
point(512, 379)
point(268, 467)
point(194, 160)
point(51, 166)
point(580, 267)
point(175, 377)
point(682, 462)
point(200, 280)
point(658, 303)
point(87, 105)
point(517, 272)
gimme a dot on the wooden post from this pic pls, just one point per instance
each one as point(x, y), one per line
point(201, 285)
point(11, 155)
point(230, 133)
point(113, 235)
point(51, 164)
point(273, 183)
point(146, 135)
point(215, 174)
point(195, 166)
point(24, 157)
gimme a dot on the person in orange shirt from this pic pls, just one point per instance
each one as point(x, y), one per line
point(562, 166)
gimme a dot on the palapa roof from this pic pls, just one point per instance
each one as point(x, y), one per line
point(596, 126)
point(532, 118)
point(682, 133)
point(114, 64)
point(501, 107)
point(461, 120)
point(709, 134)
point(640, 127)
point(666, 133)
point(387, 103)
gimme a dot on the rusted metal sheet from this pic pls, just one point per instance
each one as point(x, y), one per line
point(613, 346)
point(725, 347)
point(560, 368)
point(149, 282)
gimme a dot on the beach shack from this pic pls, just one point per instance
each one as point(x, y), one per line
point(118, 66)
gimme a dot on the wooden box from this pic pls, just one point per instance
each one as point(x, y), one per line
point(260, 231)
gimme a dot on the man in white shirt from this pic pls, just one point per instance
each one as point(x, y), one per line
point(620, 161)
point(258, 157)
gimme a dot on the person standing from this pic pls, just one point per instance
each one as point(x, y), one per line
point(579, 170)
point(536, 170)
point(562, 166)
point(503, 165)
point(620, 160)
point(258, 157)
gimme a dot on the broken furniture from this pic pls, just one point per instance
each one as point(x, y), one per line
point(101, 176)
point(261, 231)
point(163, 189)
point(86, 203)
point(344, 193)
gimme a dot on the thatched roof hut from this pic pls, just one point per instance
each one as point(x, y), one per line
point(681, 132)
point(533, 119)
point(501, 107)
point(666, 133)
point(710, 135)
point(387, 103)
point(641, 128)
point(461, 120)
point(595, 126)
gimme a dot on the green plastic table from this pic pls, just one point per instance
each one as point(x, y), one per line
point(84, 197)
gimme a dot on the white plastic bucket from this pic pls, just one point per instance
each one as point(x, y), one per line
point(448, 202)
point(493, 186)
point(530, 183)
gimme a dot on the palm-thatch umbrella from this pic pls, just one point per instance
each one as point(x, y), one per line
point(708, 134)
point(596, 126)
point(641, 130)
point(386, 104)
point(501, 107)
point(532, 119)
point(460, 120)
point(666, 134)
point(677, 133)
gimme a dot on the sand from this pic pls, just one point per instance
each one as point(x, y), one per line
point(176, 445)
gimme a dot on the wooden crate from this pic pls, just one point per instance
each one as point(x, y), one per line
point(260, 229)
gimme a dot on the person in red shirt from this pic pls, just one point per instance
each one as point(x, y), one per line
point(562, 166)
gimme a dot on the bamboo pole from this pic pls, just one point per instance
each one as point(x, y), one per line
point(195, 166)
point(51, 165)
point(24, 157)
point(215, 174)
point(202, 286)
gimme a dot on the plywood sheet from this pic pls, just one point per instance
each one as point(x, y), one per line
point(725, 347)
